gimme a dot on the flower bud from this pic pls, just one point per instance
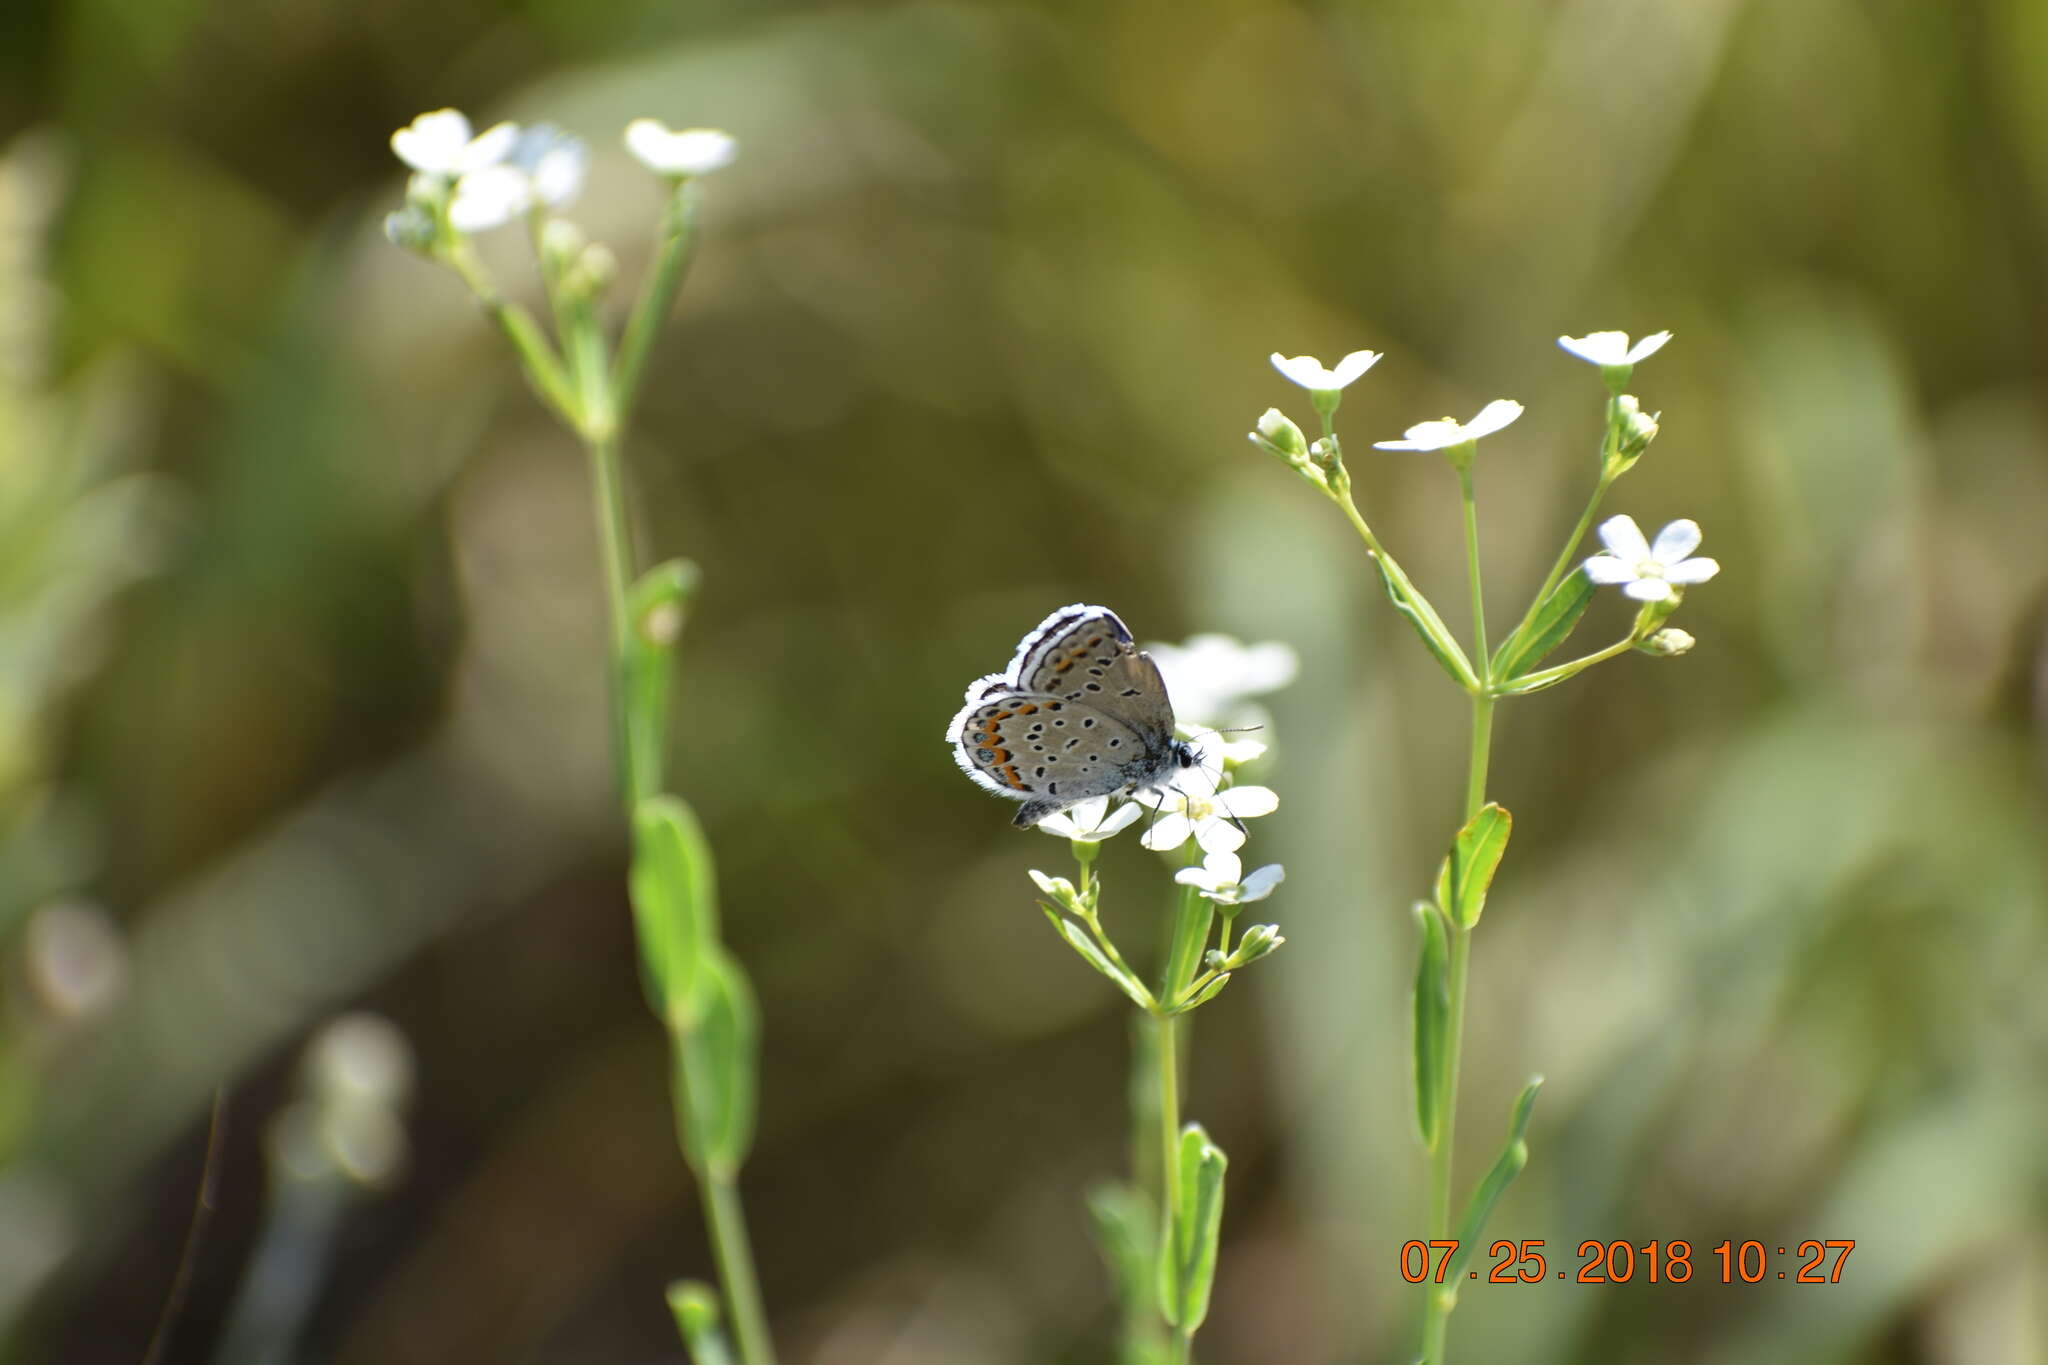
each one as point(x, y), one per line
point(1058, 890)
point(561, 243)
point(1257, 941)
point(1280, 432)
point(593, 272)
point(411, 227)
point(1668, 643)
point(1638, 429)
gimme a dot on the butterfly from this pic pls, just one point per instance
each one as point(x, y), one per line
point(1080, 712)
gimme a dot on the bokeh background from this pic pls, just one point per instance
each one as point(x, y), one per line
point(301, 709)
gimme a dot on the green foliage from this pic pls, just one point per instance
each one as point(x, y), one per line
point(1431, 1004)
point(1467, 870)
point(1188, 1268)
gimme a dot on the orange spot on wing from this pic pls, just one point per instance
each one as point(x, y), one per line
point(1010, 772)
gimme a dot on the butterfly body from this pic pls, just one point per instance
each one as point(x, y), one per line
point(1081, 712)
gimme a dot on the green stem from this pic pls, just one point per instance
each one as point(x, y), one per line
point(1479, 650)
point(727, 1223)
point(1438, 1300)
point(536, 355)
point(679, 237)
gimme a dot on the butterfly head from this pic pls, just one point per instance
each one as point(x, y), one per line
point(1186, 755)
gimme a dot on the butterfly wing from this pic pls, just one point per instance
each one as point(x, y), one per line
point(1043, 749)
point(1085, 654)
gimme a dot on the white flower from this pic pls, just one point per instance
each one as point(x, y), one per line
point(1221, 878)
point(1648, 572)
point(1091, 821)
point(687, 151)
point(440, 144)
point(1444, 434)
point(490, 198)
point(1308, 372)
point(1210, 675)
point(553, 161)
point(1608, 349)
point(1207, 815)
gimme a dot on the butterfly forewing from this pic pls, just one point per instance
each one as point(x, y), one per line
point(1085, 654)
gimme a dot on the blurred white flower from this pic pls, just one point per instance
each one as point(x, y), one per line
point(553, 162)
point(491, 197)
point(360, 1058)
point(440, 144)
point(1607, 349)
point(1446, 433)
point(1211, 675)
point(1221, 878)
point(1091, 821)
point(75, 959)
point(1308, 372)
point(687, 151)
point(1649, 572)
point(1207, 815)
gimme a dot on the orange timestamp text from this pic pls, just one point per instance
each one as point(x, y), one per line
point(1732, 1262)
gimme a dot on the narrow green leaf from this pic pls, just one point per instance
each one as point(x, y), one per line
point(1467, 870)
point(1079, 940)
point(674, 891)
point(1432, 1018)
point(695, 1308)
point(716, 1066)
point(656, 608)
point(1205, 995)
point(1513, 1158)
point(1549, 626)
point(1188, 1270)
point(1436, 637)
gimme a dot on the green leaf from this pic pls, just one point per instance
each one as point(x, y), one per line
point(1512, 1159)
point(1205, 995)
point(674, 891)
point(1467, 870)
point(1547, 627)
point(695, 1307)
point(1081, 942)
point(1436, 637)
point(716, 1065)
point(1188, 1269)
point(656, 608)
point(1432, 1018)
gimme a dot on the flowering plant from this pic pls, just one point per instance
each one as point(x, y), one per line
point(1655, 575)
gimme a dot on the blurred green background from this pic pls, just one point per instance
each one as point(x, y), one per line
point(301, 704)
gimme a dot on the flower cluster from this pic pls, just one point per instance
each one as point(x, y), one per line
point(1653, 573)
point(474, 182)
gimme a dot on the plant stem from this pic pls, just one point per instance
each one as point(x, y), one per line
point(1438, 1300)
point(1479, 650)
point(727, 1223)
point(678, 238)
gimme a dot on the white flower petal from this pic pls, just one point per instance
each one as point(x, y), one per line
point(1168, 832)
point(1304, 370)
point(1647, 347)
point(1438, 435)
point(1676, 541)
point(1218, 836)
point(1692, 570)
point(1624, 539)
point(1648, 590)
point(1606, 569)
point(433, 142)
point(1601, 348)
point(1121, 819)
point(1354, 365)
point(1260, 884)
point(688, 151)
point(488, 148)
point(1492, 418)
point(1248, 802)
point(489, 198)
